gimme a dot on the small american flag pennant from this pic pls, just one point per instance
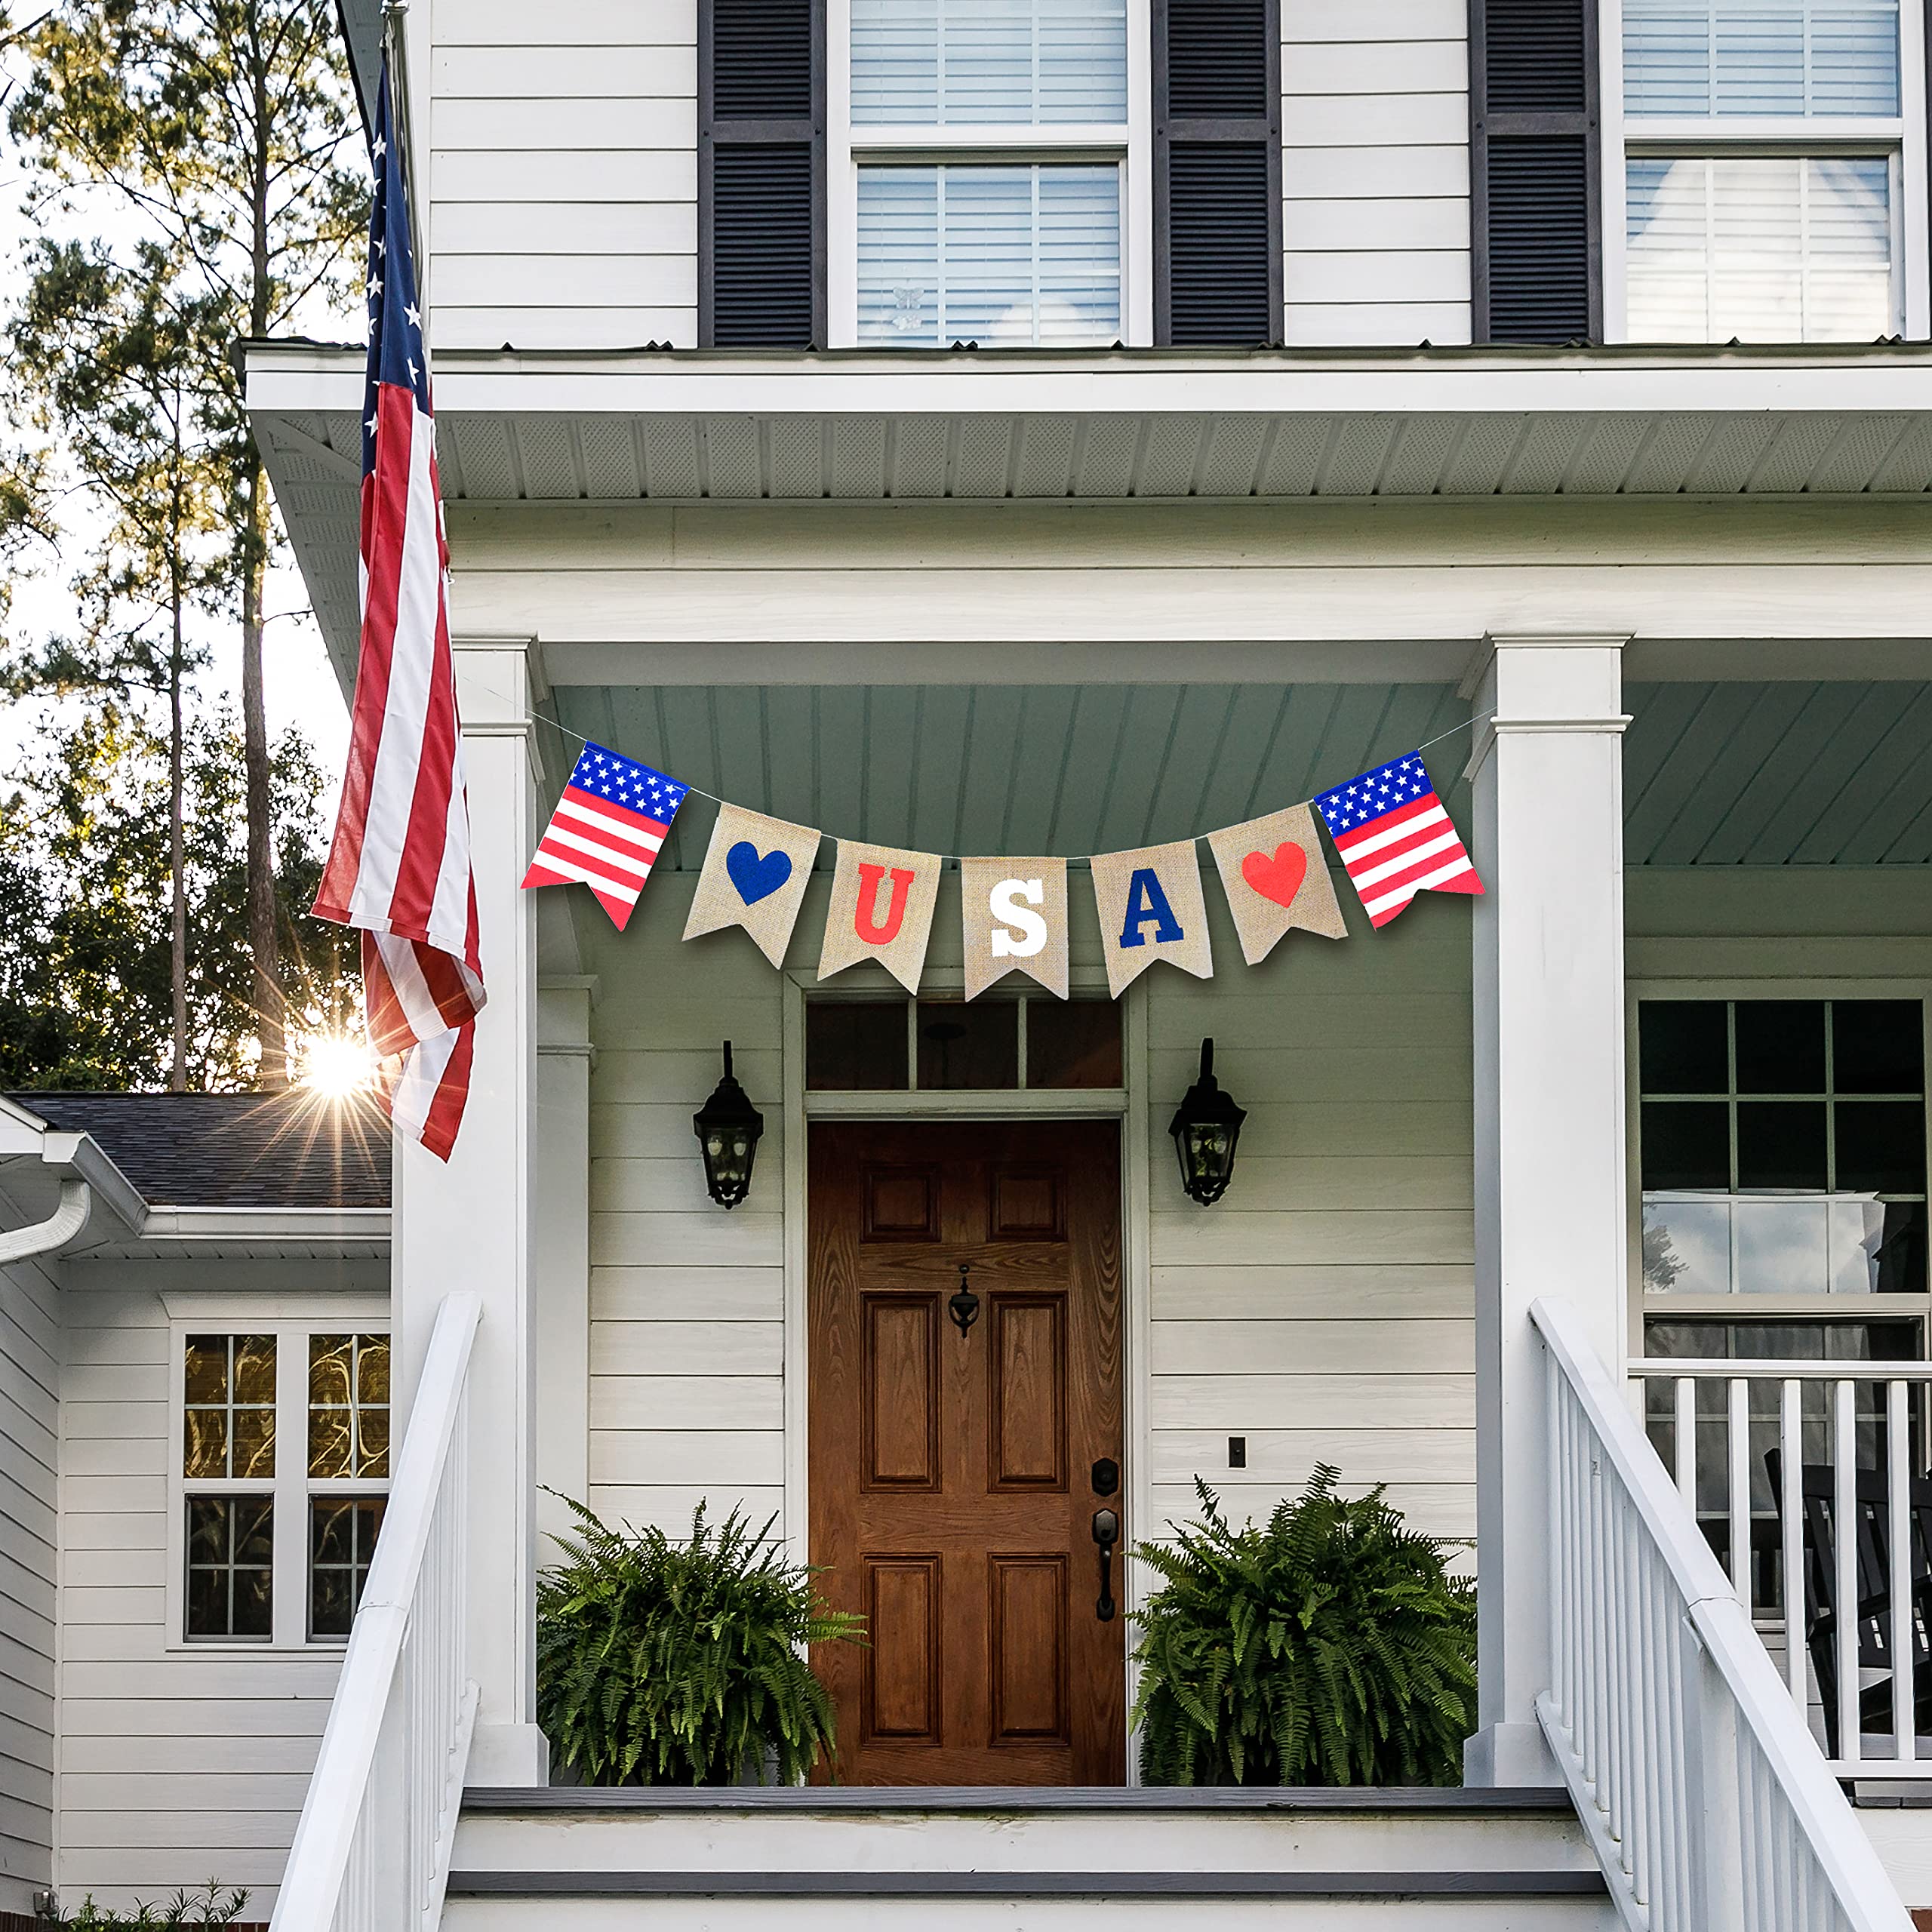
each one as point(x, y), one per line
point(1395, 839)
point(607, 830)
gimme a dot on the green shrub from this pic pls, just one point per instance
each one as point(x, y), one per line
point(682, 1663)
point(208, 1906)
point(1329, 1646)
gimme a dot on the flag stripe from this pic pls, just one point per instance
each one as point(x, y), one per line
point(1406, 858)
point(1395, 826)
point(622, 827)
point(553, 868)
point(613, 866)
point(1428, 881)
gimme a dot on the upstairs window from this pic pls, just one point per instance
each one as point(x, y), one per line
point(284, 1470)
point(1765, 153)
point(982, 157)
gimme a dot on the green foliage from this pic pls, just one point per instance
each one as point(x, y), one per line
point(208, 1906)
point(1331, 1645)
point(85, 978)
point(663, 1662)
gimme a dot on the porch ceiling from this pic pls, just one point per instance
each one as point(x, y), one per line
point(1717, 774)
point(625, 426)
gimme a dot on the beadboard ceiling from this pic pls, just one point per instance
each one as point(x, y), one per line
point(1714, 774)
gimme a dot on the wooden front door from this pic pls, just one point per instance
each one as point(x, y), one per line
point(954, 1477)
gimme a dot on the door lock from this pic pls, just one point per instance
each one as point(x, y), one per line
point(1106, 1534)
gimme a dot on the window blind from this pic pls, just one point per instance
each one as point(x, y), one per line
point(1789, 58)
point(987, 62)
point(1767, 248)
point(1004, 254)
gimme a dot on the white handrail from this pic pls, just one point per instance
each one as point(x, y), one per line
point(371, 1850)
point(1710, 1807)
point(1719, 1450)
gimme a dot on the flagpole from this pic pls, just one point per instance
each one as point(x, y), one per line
point(395, 49)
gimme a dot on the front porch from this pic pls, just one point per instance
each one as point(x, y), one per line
point(1435, 1224)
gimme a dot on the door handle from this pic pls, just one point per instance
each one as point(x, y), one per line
point(1106, 1534)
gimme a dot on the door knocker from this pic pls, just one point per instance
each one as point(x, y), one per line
point(964, 1306)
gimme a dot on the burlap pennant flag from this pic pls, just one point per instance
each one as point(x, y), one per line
point(1150, 908)
point(755, 873)
point(882, 902)
point(1013, 913)
point(1276, 879)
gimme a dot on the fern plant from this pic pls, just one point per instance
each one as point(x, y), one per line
point(663, 1662)
point(1331, 1645)
point(209, 1906)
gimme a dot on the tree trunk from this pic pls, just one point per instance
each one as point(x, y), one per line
point(262, 935)
point(177, 1078)
point(177, 862)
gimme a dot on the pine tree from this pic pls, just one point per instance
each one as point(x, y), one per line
point(225, 130)
point(115, 361)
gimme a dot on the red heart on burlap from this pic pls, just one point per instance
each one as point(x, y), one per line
point(1278, 878)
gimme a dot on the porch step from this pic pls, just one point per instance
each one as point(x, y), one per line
point(1061, 1861)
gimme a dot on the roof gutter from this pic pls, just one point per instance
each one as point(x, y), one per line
point(60, 1227)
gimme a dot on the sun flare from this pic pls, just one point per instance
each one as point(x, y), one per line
point(336, 1065)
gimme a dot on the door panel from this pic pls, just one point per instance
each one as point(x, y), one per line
point(951, 1499)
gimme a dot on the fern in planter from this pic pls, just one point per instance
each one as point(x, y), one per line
point(1331, 1645)
point(681, 1662)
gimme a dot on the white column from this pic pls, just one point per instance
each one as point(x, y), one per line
point(1551, 1213)
point(564, 1056)
point(467, 1223)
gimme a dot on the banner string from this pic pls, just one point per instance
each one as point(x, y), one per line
point(542, 717)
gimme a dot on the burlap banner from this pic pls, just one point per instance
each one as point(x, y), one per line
point(1150, 908)
point(1276, 879)
point(1013, 912)
point(755, 873)
point(882, 902)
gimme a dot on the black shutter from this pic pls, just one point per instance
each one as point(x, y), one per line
point(1536, 211)
point(760, 174)
point(1217, 171)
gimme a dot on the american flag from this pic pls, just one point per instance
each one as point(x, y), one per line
point(399, 866)
point(1395, 839)
point(607, 830)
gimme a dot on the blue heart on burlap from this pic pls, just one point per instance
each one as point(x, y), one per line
point(757, 875)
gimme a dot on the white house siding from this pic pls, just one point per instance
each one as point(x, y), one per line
point(177, 1765)
point(563, 174)
point(1325, 1309)
point(1375, 170)
point(29, 1353)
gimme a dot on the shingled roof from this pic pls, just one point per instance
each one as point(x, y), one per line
point(291, 1149)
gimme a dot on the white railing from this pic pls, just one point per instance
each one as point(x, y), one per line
point(1709, 1805)
point(371, 1853)
point(1773, 1458)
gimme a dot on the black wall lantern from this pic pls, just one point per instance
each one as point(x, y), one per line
point(728, 1126)
point(1205, 1127)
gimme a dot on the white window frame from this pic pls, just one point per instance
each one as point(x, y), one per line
point(1902, 139)
point(290, 1486)
point(848, 149)
point(1823, 1308)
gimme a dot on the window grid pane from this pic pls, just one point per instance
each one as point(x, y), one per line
point(231, 1567)
point(1767, 248)
point(1001, 255)
point(349, 1415)
point(1799, 1215)
point(1791, 59)
point(988, 62)
point(342, 1540)
point(228, 1407)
